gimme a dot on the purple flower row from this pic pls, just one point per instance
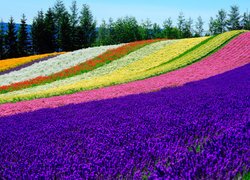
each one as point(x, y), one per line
point(198, 131)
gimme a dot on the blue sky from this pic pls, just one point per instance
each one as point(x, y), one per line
point(156, 10)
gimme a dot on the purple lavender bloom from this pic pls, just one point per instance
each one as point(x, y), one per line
point(198, 131)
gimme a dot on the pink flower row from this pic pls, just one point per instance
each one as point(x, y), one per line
point(233, 55)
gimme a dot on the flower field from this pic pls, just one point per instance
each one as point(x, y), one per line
point(155, 109)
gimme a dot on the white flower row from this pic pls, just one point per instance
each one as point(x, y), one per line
point(103, 70)
point(54, 65)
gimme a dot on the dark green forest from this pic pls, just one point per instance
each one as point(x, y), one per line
point(58, 29)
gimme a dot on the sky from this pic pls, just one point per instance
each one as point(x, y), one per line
point(156, 10)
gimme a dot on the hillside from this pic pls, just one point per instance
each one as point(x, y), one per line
point(166, 109)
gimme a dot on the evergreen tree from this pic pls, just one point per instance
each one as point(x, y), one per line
point(38, 34)
point(146, 30)
point(111, 32)
point(221, 22)
point(74, 20)
point(199, 27)
point(181, 23)
point(187, 32)
point(126, 30)
point(212, 26)
point(169, 31)
point(234, 18)
point(65, 33)
point(1, 40)
point(23, 43)
point(50, 31)
point(59, 10)
point(11, 40)
point(156, 32)
point(103, 34)
point(246, 21)
point(167, 27)
point(87, 33)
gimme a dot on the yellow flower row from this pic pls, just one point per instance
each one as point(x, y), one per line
point(14, 62)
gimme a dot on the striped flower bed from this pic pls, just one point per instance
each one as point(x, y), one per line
point(126, 75)
point(84, 67)
point(235, 54)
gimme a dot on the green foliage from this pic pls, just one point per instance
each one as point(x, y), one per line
point(199, 27)
point(169, 31)
point(87, 30)
point(181, 23)
point(187, 31)
point(103, 37)
point(50, 31)
point(146, 30)
point(126, 30)
point(1, 40)
point(74, 21)
point(221, 22)
point(11, 40)
point(23, 43)
point(157, 32)
point(234, 18)
point(38, 34)
point(59, 11)
point(65, 33)
point(246, 21)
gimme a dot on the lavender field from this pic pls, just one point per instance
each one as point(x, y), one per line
point(197, 131)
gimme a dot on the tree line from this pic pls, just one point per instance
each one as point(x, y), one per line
point(58, 29)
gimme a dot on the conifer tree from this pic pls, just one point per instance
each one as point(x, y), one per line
point(1, 40)
point(103, 34)
point(169, 31)
point(74, 21)
point(187, 31)
point(212, 26)
point(199, 27)
point(59, 10)
point(146, 30)
point(126, 30)
point(234, 18)
point(181, 23)
point(38, 34)
point(156, 32)
point(50, 31)
point(87, 33)
point(11, 40)
point(65, 33)
point(221, 22)
point(23, 43)
point(246, 21)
